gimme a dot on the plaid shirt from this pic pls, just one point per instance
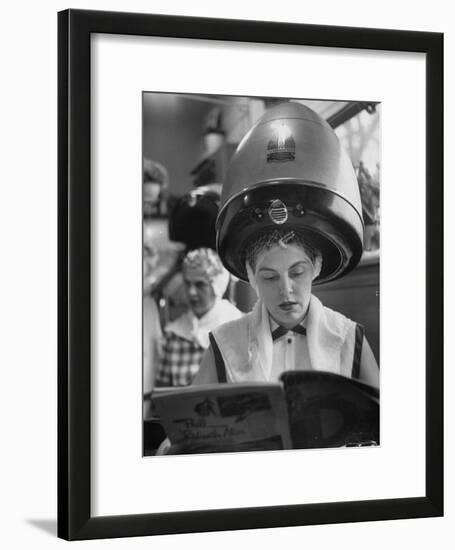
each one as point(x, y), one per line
point(181, 360)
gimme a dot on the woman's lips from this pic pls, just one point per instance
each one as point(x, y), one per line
point(288, 306)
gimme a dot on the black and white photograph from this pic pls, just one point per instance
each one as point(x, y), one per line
point(261, 273)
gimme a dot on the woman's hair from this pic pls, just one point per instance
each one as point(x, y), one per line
point(281, 237)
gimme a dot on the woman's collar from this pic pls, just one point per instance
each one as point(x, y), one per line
point(273, 324)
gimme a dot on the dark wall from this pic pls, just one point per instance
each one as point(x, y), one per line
point(173, 135)
point(357, 296)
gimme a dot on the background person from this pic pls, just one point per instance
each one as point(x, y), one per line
point(187, 338)
point(152, 334)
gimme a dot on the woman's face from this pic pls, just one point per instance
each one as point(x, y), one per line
point(284, 277)
point(200, 294)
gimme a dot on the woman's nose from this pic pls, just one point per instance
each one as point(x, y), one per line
point(285, 286)
point(191, 289)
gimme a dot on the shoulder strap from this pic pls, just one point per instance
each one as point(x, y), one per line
point(359, 334)
point(219, 361)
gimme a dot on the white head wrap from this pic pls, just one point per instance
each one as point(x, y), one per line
point(206, 261)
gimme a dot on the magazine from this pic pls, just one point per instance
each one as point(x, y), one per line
point(306, 409)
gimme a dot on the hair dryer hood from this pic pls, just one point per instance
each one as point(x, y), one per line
point(290, 171)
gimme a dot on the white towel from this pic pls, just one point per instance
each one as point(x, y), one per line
point(326, 335)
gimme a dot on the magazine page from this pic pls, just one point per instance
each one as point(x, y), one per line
point(225, 417)
point(329, 410)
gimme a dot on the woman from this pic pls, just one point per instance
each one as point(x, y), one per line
point(290, 217)
point(288, 328)
point(186, 338)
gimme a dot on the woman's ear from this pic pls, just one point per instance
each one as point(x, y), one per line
point(317, 266)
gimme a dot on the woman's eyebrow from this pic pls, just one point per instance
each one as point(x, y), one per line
point(298, 263)
point(295, 264)
point(265, 268)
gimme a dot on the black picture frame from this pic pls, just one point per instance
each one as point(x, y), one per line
point(75, 521)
